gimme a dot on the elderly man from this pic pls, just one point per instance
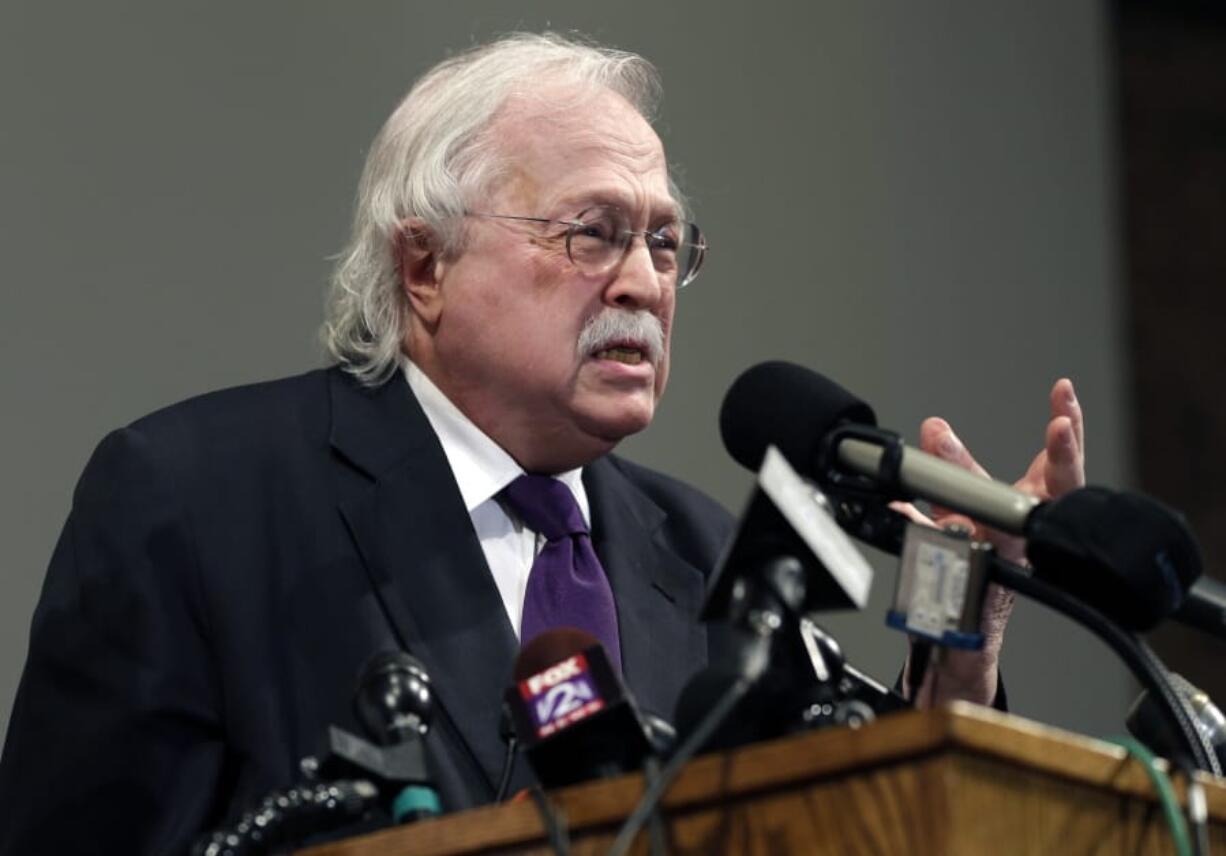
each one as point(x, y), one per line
point(500, 321)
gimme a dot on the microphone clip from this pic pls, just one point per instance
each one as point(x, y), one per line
point(853, 485)
point(859, 502)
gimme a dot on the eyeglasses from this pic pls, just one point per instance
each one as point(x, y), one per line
point(599, 238)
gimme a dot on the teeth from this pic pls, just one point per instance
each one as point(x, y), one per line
point(630, 356)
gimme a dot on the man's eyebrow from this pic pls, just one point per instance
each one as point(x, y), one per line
point(659, 209)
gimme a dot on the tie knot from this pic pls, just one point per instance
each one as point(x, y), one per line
point(545, 505)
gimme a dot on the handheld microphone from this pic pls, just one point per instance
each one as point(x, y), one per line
point(571, 712)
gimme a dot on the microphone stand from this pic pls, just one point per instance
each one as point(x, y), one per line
point(1137, 656)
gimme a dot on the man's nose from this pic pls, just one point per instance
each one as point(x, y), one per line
point(636, 283)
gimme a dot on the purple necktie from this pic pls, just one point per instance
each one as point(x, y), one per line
point(567, 587)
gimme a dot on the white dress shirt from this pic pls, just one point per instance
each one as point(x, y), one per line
point(482, 469)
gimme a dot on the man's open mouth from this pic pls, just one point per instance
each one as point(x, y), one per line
point(622, 354)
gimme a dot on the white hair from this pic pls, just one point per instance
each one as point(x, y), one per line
point(432, 159)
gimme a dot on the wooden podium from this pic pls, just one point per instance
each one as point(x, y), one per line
point(959, 781)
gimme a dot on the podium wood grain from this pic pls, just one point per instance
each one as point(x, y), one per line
point(960, 781)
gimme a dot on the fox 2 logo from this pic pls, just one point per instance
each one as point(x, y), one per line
point(563, 699)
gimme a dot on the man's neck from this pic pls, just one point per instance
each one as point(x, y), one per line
point(535, 445)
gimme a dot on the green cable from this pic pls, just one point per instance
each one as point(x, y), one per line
point(1166, 791)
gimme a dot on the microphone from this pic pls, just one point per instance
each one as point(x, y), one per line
point(394, 704)
point(813, 421)
point(1128, 555)
point(393, 701)
point(1146, 723)
point(351, 776)
point(571, 712)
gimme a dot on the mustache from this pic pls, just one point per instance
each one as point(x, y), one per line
point(612, 327)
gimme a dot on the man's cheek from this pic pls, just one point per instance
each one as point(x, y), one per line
point(661, 376)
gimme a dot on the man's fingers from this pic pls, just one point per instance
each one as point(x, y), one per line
point(912, 513)
point(1064, 403)
point(937, 438)
point(1065, 470)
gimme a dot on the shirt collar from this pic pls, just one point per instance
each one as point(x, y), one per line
point(481, 467)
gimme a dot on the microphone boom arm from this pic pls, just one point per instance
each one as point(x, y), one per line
point(1137, 656)
point(868, 518)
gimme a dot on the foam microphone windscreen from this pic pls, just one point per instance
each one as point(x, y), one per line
point(1128, 555)
point(788, 406)
point(551, 647)
point(571, 712)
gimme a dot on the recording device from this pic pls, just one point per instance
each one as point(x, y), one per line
point(572, 714)
point(351, 776)
point(1147, 724)
point(1134, 558)
point(940, 587)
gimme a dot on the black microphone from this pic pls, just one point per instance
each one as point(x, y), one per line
point(351, 775)
point(571, 712)
point(394, 703)
point(1128, 555)
point(812, 420)
point(1147, 723)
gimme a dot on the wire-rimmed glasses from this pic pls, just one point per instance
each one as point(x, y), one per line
point(599, 237)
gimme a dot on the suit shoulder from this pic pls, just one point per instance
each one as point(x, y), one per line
point(273, 400)
point(230, 431)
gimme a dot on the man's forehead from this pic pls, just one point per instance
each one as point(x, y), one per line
point(585, 147)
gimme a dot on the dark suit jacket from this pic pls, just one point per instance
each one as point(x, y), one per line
point(231, 562)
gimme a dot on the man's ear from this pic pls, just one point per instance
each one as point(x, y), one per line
point(419, 261)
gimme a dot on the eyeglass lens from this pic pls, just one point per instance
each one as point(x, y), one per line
point(601, 236)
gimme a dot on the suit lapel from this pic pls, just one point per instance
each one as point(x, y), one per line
point(658, 594)
point(423, 557)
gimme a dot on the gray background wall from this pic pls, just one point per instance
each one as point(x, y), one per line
point(916, 199)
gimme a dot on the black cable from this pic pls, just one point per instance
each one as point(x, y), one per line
point(554, 820)
point(1143, 663)
point(706, 727)
point(921, 653)
point(935, 664)
point(656, 844)
point(289, 816)
point(508, 768)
